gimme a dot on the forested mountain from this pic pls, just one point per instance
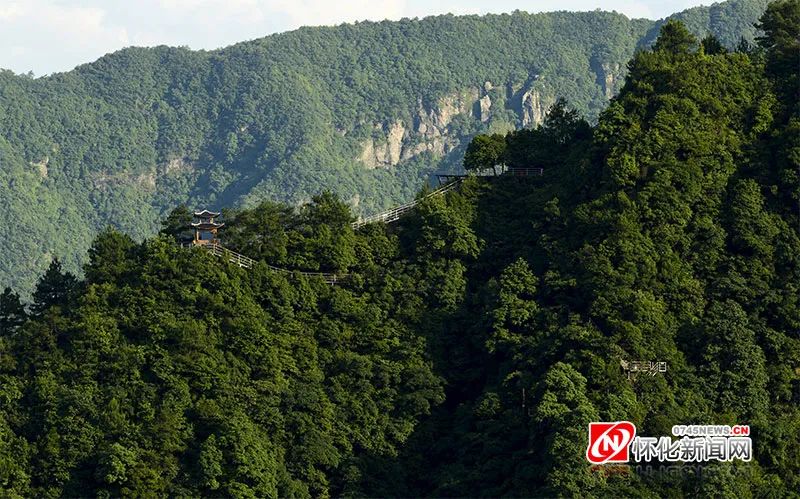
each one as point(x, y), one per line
point(368, 110)
point(474, 340)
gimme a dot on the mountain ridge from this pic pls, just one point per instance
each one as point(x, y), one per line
point(650, 275)
point(368, 110)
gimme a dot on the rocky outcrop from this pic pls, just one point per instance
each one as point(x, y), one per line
point(438, 146)
point(610, 75)
point(383, 153)
point(176, 166)
point(368, 155)
point(434, 122)
point(107, 181)
point(533, 108)
point(485, 108)
point(41, 167)
point(429, 129)
point(394, 142)
point(146, 181)
point(428, 132)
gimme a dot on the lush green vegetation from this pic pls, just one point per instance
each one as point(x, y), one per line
point(474, 341)
point(123, 140)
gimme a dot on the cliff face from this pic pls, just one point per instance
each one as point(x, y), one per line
point(609, 75)
point(611, 78)
point(533, 108)
point(428, 130)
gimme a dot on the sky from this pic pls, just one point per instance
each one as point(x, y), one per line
point(47, 36)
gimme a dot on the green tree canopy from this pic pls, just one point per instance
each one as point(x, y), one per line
point(484, 152)
point(53, 289)
point(675, 39)
point(12, 312)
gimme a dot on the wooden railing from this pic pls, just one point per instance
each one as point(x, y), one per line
point(446, 178)
point(247, 263)
point(524, 172)
point(386, 217)
point(229, 255)
point(451, 181)
point(395, 213)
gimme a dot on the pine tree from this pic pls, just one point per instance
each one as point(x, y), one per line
point(12, 312)
point(53, 289)
point(108, 257)
point(781, 40)
point(712, 46)
point(675, 39)
point(178, 224)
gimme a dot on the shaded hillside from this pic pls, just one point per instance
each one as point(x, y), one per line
point(474, 340)
point(368, 110)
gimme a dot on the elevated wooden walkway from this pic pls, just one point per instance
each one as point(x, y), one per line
point(446, 178)
point(448, 181)
point(248, 263)
point(395, 213)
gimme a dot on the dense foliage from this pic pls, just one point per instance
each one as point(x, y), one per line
point(167, 371)
point(124, 139)
point(473, 341)
point(670, 233)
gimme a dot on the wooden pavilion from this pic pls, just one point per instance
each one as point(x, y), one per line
point(205, 227)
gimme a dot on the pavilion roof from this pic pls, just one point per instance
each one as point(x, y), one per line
point(206, 214)
point(207, 225)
